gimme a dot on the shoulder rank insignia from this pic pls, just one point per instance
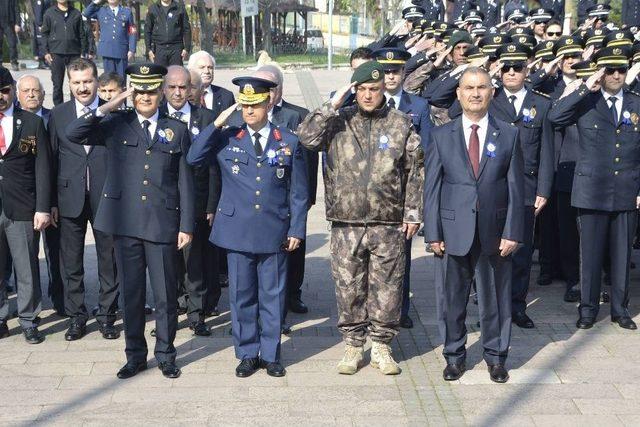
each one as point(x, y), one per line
point(276, 134)
point(541, 93)
point(240, 134)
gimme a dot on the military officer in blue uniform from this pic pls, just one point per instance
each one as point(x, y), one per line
point(606, 184)
point(148, 207)
point(117, 44)
point(393, 60)
point(261, 216)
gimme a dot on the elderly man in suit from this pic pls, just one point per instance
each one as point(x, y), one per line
point(474, 189)
point(147, 205)
point(25, 189)
point(214, 97)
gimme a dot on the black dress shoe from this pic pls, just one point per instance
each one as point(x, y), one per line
point(131, 369)
point(4, 331)
point(406, 322)
point(286, 329)
point(585, 323)
point(200, 328)
point(247, 367)
point(214, 312)
point(297, 306)
point(544, 280)
point(77, 329)
point(625, 322)
point(147, 309)
point(522, 320)
point(224, 280)
point(453, 371)
point(572, 294)
point(181, 310)
point(32, 335)
point(605, 297)
point(169, 369)
point(274, 369)
point(108, 331)
point(498, 373)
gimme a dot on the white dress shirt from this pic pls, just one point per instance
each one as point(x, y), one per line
point(270, 116)
point(185, 110)
point(208, 98)
point(618, 101)
point(153, 120)
point(517, 103)
point(483, 124)
point(80, 108)
point(7, 126)
point(115, 10)
point(264, 135)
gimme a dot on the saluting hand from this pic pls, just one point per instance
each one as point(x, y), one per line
point(586, 54)
point(594, 79)
point(224, 116)
point(442, 56)
point(571, 87)
point(633, 73)
point(184, 239)
point(533, 64)
point(341, 95)
point(115, 102)
point(550, 67)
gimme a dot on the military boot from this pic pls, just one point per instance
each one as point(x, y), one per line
point(381, 358)
point(351, 361)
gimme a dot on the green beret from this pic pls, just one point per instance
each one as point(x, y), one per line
point(460, 37)
point(371, 71)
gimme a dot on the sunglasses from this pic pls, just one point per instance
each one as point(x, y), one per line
point(554, 33)
point(5, 90)
point(611, 71)
point(516, 68)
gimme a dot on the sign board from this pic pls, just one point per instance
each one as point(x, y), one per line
point(248, 8)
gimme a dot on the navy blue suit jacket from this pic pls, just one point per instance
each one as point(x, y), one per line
point(148, 192)
point(457, 205)
point(262, 202)
point(418, 109)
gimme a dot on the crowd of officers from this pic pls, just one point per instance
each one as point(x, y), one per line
point(179, 175)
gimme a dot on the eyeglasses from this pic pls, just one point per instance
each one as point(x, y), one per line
point(516, 68)
point(5, 90)
point(554, 33)
point(611, 71)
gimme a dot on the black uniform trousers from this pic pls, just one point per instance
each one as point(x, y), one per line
point(12, 41)
point(58, 70)
point(295, 275)
point(133, 257)
point(168, 55)
point(521, 264)
point(406, 281)
point(548, 240)
point(197, 269)
point(37, 42)
point(569, 239)
point(73, 231)
point(51, 240)
point(597, 229)
point(492, 274)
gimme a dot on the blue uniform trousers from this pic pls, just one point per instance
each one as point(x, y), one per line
point(115, 65)
point(133, 257)
point(521, 267)
point(257, 285)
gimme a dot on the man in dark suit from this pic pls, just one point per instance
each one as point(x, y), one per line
point(30, 97)
point(197, 268)
point(80, 172)
point(147, 205)
point(261, 216)
point(25, 190)
point(474, 188)
point(214, 98)
point(606, 188)
point(393, 60)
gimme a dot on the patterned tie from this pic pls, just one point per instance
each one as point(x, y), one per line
point(392, 103)
point(474, 149)
point(614, 110)
point(257, 145)
point(3, 145)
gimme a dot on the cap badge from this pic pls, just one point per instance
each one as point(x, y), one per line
point(497, 39)
point(144, 69)
point(375, 74)
point(617, 51)
point(389, 56)
point(511, 48)
point(568, 41)
point(248, 89)
point(599, 7)
point(619, 36)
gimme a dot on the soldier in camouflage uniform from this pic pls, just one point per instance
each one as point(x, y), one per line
point(373, 194)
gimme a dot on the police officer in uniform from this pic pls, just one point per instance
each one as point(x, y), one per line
point(147, 206)
point(261, 216)
point(630, 13)
point(417, 108)
point(117, 44)
point(606, 190)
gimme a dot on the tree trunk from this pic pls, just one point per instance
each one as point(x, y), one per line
point(266, 29)
point(206, 27)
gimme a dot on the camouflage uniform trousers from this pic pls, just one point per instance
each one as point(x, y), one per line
point(367, 262)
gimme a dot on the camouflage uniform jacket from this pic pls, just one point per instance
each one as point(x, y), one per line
point(374, 166)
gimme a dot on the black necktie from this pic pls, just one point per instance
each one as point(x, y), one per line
point(512, 100)
point(614, 110)
point(257, 145)
point(145, 125)
point(392, 103)
point(178, 115)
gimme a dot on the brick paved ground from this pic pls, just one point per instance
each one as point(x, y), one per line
point(559, 376)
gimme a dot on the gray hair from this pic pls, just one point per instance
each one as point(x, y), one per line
point(275, 70)
point(200, 54)
point(21, 78)
point(475, 70)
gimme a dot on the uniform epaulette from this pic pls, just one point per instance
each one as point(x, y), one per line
point(633, 92)
point(174, 119)
point(123, 110)
point(546, 95)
